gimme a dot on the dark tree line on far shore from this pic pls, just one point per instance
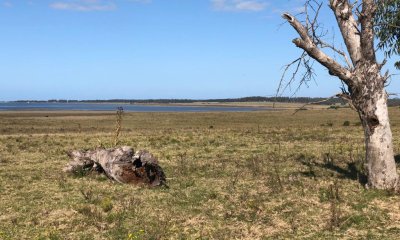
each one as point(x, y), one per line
point(332, 101)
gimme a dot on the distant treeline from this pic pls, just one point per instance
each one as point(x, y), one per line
point(318, 100)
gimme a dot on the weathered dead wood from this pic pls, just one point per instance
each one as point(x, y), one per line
point(120, 164)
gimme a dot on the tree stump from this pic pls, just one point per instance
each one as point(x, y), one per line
point(120, 164)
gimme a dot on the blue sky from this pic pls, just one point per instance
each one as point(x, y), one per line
point(139, 49)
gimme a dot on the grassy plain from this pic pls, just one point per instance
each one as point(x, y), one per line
point(251, 175)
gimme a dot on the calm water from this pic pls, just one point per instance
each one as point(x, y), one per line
point(112, 107)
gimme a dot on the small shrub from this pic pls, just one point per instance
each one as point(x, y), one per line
point(62, 183)
point(255, 165)
point(346, 123)
point(324, 195)
point(90, 212)
point(88, 195)
point(106, 204)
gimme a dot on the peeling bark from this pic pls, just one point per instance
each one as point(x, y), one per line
point(119, 164)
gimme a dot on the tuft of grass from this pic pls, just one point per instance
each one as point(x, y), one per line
point(335, 213)
point(118, 124)
point(106, 204)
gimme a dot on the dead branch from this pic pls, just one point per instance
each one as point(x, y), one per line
point(340, 52)
point(302, 61)
point(306, 43)
point(317, 102)
point(343, 96)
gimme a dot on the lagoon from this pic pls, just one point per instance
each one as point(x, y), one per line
point(36, 106)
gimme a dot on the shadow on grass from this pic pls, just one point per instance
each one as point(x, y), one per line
point(351, 171)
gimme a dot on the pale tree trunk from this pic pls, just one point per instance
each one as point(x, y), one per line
point(366, 91)
point(379, 150)
point(370, 100)
point(380, 163)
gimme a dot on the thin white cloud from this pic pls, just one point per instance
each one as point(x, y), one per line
point(239, 5)
point(90, 5)
point(141, 1)
point(292, 10)
point(300, 9)
point(84, 5)
point(7, 4)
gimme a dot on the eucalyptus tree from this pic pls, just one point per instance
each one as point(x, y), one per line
point(359, 71)
point(387, 27)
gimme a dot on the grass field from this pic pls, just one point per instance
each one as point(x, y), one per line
point(254, 175)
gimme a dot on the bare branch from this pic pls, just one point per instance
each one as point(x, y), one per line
point(301, 30)
point(313, 26)
point(340, 52)
point(342, 95)
point(352, 6)
point(380, 65)
point(306, 43)
point(302, 107)
point(297, 64)
point(347, 97)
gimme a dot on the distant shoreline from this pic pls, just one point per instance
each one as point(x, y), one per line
point(156, 107)
point(256, 101)
point(146, 107)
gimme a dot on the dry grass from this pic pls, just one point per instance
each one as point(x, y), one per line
point(256, 175)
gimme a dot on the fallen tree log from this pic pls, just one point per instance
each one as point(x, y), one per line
point(120, 164)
